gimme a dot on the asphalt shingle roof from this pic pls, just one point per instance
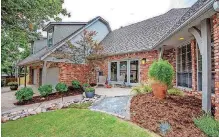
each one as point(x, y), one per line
point(141, 35)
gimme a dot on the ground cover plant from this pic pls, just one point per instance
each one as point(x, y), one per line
point(72, 123)
point(208, 125)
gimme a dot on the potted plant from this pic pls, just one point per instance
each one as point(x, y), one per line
point(161, 75)
point(85, 85)
point(13, 85)
point(89, 92)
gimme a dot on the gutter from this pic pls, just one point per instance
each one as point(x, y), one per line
point(201, 11)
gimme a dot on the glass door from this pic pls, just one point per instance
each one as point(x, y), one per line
point(134, 71)
point(123, 69)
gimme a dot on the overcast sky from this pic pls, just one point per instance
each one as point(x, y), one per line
point(120, 12)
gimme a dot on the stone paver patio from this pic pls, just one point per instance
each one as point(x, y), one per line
point(118, 106)
point(113, 92)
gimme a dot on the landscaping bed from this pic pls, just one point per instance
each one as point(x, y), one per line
point(178, 111)
point(52, 96)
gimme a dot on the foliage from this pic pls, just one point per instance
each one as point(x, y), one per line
point(87, 50)
point(45, 90)
point(161, 71)
point(20, 22)
point(175, 91)
point(208, 125)
point(24, 94)
point(61, 87)
point(89, 89)
point(84, 105)
point(85, 85)
point(142, 89)
point(72, 123)
point(164, 127)
point(76, 84)
point(12, 84)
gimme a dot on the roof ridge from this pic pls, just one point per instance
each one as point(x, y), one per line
point(149, 18)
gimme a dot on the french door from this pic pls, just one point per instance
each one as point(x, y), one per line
point(129, 69)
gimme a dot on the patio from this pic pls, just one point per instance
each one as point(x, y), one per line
point(8, 97)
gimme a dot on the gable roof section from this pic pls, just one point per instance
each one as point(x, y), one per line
point(43, 53)
point(194, 11)
point(142, 35)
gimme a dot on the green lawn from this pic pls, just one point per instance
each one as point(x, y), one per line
point(72, 123)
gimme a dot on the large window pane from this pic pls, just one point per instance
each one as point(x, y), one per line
point(134, 71)
point(113, 71)
point(123, 69)
point(184, 67)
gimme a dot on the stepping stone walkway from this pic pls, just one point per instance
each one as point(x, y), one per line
point(118, 106)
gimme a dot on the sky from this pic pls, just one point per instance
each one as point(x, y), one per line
point(120, 12)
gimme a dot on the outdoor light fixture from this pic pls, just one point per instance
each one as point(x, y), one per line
point(143, 61)
point(181, 38)
point(216, 5)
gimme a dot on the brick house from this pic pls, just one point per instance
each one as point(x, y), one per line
point(188, 38)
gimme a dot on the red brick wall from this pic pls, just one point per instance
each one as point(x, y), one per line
point(69, 72)
point(149, 55)
point(216, 61)
point(194, 65)
point(170, 55)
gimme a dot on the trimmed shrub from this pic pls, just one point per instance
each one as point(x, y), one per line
point(24, 94)
point(161, 71)
point(61, 87)
point(175, 91)
point(76, 84)
point(45, 90)
point(12, 84)
point(89, 89)
point(208, 125)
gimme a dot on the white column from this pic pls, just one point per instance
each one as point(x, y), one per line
point(44, 73)
point(206, 65)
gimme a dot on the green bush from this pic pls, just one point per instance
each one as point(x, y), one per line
point(175, 91)
point(89, 89)
point(12, 84)
point(208, 125)
point(85, 85)
point(76, 84)
point(141, 89)
point(61, 87)
point(45, 90)
point(161, 71)
point(24, 94)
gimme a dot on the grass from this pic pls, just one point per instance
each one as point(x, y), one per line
point(81, 105)
point(175, 91)
point(208, 125)
point(72, 123)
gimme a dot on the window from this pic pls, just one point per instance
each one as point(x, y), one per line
point(199, 58)
point(113, 71)
point(123, 69)
point(50, 37)
point(184, 66)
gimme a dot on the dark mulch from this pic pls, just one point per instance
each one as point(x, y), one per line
point(37, 99)
point(148, 112)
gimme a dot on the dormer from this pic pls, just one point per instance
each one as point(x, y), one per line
point(57, 31)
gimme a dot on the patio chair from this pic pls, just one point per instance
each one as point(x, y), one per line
point(121, 80)
point(101, 80)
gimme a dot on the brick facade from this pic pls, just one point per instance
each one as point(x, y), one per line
point(170, 55)
point(216, 61)
point(194, 65)
point(149, 55)
point(69, 72)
